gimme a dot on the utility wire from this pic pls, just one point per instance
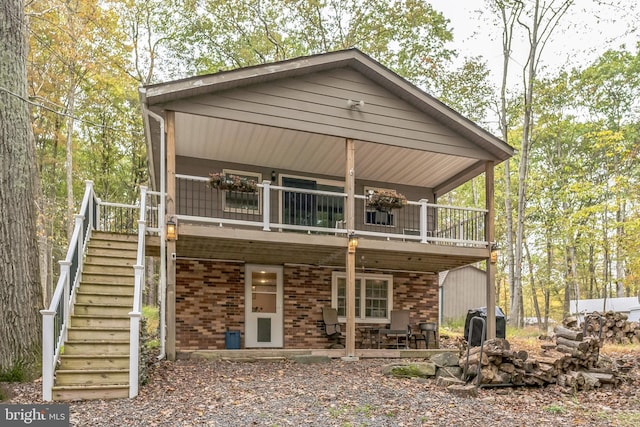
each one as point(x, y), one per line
point(63, 114)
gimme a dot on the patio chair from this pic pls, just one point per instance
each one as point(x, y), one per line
point(331, 327)
point(399, 330)
point(425, 331)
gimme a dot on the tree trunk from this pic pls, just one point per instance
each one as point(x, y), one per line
point(20, 291)
point(71, 100)
point(508, 23)
point(534, 290)
point(620, 271)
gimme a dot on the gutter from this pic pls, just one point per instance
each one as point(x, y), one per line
point(146, 114)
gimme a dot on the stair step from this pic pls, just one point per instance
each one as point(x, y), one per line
point(69, 392)
point(105, 235)
point(102, 309)
point(108, 242)
point(83, 297)
point(117, 269)
point(88, 334)
point(111, 260)
point(103, 279)
point(80, 320)
point(97, 347)
point(93, 361)
point(107, 288)
point(101, 251)
point(92, 377)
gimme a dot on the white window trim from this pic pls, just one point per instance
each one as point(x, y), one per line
point(360, 317)
point(259, 194)
point(368, 209)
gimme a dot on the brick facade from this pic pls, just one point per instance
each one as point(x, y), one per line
point(210, 299)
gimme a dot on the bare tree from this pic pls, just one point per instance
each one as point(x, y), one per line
point(539, 20)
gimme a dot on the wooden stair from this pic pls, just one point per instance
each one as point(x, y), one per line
point(95, 360)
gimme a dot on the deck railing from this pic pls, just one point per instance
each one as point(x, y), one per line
point(280, 208)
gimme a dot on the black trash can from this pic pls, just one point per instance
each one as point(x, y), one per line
point(232, 340)
point(476, 333)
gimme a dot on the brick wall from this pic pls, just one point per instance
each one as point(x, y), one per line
point(210, 299)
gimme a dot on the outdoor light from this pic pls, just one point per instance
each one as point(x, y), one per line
point(353, 243)
point(494, 253)
point(172, 229)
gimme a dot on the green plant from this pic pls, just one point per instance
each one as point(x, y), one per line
point(385, 200)
point(16, 374)
point(337, 412)
point(4, 393)
point(365, 410)
point(408, 371)
point(152, 314)
point(554, 409)
point(230, 182)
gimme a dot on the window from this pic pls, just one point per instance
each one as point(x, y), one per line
point(313, 210)
point(375, 290)
point(239, 202)
point(373, 216)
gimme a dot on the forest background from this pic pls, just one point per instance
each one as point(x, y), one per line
point(568, 203)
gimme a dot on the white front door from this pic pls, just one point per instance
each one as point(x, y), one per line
point(263, 313)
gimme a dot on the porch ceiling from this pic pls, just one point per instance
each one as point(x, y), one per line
point(273, 248)
point(232, 141)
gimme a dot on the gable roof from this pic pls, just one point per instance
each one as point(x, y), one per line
point(161, 93)
point(292, 105)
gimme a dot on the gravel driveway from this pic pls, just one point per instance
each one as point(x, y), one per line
point(338, 393)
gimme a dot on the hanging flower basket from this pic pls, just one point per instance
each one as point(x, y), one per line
point(384, 200)
point(228, 182)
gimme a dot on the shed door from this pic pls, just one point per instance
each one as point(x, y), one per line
point(264, 312)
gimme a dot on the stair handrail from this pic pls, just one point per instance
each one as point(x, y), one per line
point(136, 313)
point(55, 319)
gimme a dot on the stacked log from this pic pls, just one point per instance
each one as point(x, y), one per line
point(571, 362)
point(613, 327)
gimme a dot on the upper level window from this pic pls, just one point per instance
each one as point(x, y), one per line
point(374, 296)
point(373, 216)
point(239, 202)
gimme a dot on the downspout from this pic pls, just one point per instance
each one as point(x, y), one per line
point(162, 226)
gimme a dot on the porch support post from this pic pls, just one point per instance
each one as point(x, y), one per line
point(351, 256)
point(171, 244)
point(490, 236)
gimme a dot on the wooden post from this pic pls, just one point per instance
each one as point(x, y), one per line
point(171, 244)
point(351, 256)
point(490, 236)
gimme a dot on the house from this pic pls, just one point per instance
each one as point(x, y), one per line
point(461, 290)
point(586, 306)
point(300, 150)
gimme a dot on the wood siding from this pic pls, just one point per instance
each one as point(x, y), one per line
point(463, 289)
point(317, 103)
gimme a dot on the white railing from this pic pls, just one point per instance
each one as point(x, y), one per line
point(136, 313)
point(104, 216)
point(284, 208)
point(55, 319)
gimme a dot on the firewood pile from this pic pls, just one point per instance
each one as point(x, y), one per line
point(616, 329)
point(571, 362)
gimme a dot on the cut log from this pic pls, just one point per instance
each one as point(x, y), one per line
point(568, 333)
point(580, 345)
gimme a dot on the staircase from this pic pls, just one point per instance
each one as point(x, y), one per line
point(95, 360)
